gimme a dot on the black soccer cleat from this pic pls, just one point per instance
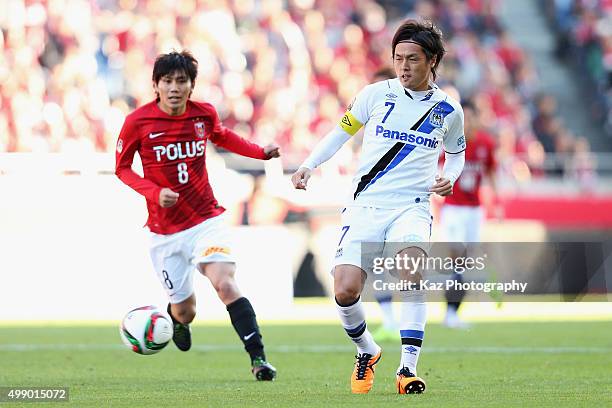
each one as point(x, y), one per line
point(262, 370)
point(182, 333)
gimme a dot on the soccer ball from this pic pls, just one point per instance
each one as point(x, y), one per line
point(146, 330)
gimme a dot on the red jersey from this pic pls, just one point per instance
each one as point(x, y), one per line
point(173, 154)
point(479, 160)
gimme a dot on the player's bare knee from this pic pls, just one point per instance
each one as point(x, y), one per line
point(347, 294)
point(348, 283)
point(223, 287)
point(412, 256)
point(227, 290)
point(184, 314)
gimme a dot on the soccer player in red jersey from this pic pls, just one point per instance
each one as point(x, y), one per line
point(462, 215)
point(186, 223)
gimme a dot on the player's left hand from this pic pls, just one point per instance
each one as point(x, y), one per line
point(300, 178)
point(442, 186)
point(272, 151)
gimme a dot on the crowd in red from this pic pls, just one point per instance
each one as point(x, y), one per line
point(276, 70)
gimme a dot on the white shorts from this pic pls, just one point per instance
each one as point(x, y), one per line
point(461, 223)
point(175, 256)
point(381, 225)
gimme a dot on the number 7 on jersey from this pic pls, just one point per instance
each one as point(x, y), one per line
point(392, 105)
point(344, 231)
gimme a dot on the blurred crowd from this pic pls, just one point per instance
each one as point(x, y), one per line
point(71, 70)
point(281, 70)
point(489, 68)
point(584, 39)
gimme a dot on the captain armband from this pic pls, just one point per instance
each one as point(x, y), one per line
point(350, 124)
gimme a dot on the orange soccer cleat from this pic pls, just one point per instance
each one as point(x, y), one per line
point(362, 378)
point(408, 383)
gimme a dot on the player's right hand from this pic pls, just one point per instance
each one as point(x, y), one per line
point(300, 178)
point(167, 197)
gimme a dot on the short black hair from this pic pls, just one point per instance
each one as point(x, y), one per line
point(166, 64)
point(425, 34)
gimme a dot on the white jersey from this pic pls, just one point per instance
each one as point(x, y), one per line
point(404, 132)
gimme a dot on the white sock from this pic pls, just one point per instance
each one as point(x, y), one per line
point(412, 329)
point(353, 321)
point(388, 320)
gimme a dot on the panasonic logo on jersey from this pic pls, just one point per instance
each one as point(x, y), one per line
point(176, 151)
point(432, 143)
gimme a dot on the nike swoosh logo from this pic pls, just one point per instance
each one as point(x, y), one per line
point(249, 336)
point(154, 135)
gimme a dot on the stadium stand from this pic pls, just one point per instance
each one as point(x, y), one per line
point(275, 70)
point(584, 39)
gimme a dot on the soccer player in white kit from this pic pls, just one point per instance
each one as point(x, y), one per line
point(407, 121)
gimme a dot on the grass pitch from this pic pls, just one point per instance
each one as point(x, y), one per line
point(492, 364)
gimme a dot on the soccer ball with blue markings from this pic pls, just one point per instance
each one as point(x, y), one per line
point(146, 330)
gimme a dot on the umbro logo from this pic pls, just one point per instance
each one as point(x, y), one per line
point(391, 95)
point(410, 350)
point(154, 135)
